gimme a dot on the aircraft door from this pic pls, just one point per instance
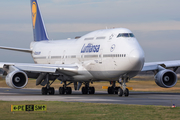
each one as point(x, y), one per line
point(49, 57)
point(100, 56)
point(64, 57)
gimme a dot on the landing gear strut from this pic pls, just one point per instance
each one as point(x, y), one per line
point(87, 89)
point(65, 89)
point(47, 90)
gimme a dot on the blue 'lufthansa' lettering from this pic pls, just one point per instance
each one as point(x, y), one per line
point(90, 48)
point(37, 53)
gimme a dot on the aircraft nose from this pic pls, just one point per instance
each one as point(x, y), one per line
point(136, 58)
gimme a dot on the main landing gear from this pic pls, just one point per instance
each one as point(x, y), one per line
point(87, 89)
point(119, 90)
point(113, 89)
point(65, 90)
point(47, 90)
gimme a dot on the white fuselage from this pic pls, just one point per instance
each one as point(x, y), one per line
point(102, 53)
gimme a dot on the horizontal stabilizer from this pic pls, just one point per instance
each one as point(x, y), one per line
point(16, 49)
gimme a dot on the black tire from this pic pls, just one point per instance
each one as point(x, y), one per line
point(110, 90)
point(51, 91)
point(126, 92)
point(68, 90)
point(84, 90)
point(120, 92)
point(91, 90)
point(116, 90)
point(61, 91)
point(44, 91)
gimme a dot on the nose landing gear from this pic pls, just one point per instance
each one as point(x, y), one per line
point(123, 91)
point(119, 90)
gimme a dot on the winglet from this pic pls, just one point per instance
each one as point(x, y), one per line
point(39, 29)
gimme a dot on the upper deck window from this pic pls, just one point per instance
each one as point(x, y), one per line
point(125, 35)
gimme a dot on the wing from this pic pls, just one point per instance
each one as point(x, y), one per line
point(164, 76)
point(16, 49)
point(39, 68)
point(152, 66)
point(42, 73)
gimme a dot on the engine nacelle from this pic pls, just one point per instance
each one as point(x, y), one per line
point(166, 78)
point(17, 79)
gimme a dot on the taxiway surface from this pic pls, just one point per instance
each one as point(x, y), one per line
point(138, 98)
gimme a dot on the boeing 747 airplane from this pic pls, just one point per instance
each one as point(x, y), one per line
point(112, 55)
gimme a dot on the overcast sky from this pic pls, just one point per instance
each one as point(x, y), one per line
point(155, 23)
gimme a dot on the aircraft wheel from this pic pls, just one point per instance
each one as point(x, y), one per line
point(84, 90)
point(69, 90)
point(126, 92)
point(120, 92)
point(61, 91)
point(91, 90)
point(51, 91)
point(110, 90)
point(44, 91)
point(116, 90)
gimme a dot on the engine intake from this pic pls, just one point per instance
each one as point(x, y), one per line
point(17, 79)
point(166, 78)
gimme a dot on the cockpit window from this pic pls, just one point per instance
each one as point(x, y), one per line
point(126, 35)
point(131, 35)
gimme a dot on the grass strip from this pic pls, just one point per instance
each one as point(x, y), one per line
point(89, 111)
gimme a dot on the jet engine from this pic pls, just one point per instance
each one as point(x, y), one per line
point(166, 78)
point(17, 79)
